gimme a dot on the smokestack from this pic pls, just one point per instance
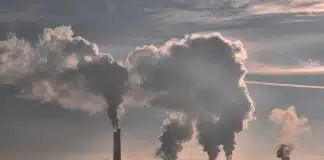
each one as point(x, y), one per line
point(284, 152)
point(117, 144)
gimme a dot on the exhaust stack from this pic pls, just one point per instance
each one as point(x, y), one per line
point(117, 145)
point(284, 151)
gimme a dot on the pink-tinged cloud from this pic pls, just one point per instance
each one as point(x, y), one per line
point(290, 122)
point(268, 70)
point(295, 6)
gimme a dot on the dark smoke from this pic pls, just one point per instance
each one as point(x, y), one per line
point(65, 69)
point(108, 79)
point(207, 137)
point(201, 76)
point(176, 131)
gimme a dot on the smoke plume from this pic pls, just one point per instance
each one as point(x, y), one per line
point(64, 69)
point(291, 126)
point(177, 129)
point(108, 79)
point(201, 76)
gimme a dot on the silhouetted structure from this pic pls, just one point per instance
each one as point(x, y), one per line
point(117, 144)
point(284, 152)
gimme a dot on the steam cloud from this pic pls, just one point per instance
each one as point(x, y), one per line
point(291, 126)
point(201, 76)
point(65, 69)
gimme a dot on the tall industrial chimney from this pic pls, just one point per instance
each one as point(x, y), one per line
point(117, 145)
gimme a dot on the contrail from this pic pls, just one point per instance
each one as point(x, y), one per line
point(289, 71)
point(284, 85)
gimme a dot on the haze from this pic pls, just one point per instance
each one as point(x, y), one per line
point(283, 41)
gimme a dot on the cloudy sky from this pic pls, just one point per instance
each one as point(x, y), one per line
point(283, 39)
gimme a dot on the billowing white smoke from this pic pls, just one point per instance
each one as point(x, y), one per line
point(56, 70)
point(201, 76)
point(39, 69)
point(291, 126)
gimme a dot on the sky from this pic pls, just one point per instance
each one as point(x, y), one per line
point(283, 40)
